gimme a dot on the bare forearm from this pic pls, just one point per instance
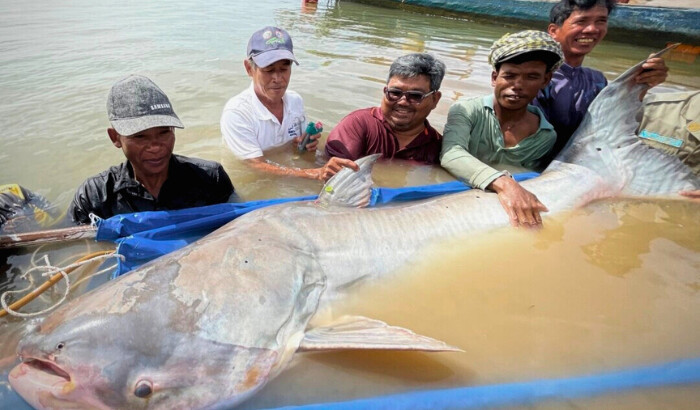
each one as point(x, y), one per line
point(463, 165)
point(270, 167)
point(323, 173)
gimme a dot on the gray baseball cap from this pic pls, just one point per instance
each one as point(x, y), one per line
point(269, 45)
point(135, 103)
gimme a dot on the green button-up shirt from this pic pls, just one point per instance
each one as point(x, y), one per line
point(473, 143)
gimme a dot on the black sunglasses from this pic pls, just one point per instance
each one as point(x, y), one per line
point(413, 97)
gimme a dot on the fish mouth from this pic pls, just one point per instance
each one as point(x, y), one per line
point(47, 367)
point(41, 383)
point(38, 376)
point(46, 385)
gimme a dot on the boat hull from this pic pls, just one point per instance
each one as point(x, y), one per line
point(681, 23)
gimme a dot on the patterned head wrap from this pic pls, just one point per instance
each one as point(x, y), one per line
point(513, 45)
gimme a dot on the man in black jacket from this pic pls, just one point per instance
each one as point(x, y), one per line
point(152, 177)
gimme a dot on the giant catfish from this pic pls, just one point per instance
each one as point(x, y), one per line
point(210, 324)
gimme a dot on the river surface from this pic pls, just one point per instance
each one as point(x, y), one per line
point(610, 286)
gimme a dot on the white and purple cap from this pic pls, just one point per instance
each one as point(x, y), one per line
point(135, 103)
point(269, 45)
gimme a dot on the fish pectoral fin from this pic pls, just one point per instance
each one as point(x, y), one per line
point(358, 332)
point(350, 188)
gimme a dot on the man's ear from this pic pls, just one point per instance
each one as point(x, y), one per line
point(436, 98)
point(494, 75)
point(547, 78)
point(553, 30)
point(248, 68)
point(114, 137)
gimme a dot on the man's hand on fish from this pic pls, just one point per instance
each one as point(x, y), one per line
point(334, 165)
point(654, 72)
point(523, 207)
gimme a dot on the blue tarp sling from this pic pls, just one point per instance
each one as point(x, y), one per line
point(144, 236)
point(527, 393)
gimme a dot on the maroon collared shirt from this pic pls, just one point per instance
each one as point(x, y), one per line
point(364, 132)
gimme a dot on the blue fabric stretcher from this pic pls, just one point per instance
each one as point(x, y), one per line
point(528, 393)
point(144, 236)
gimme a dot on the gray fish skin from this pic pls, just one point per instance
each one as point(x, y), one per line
point(210, 324)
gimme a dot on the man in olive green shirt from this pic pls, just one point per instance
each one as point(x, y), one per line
point(503, 129)
point(476, 144)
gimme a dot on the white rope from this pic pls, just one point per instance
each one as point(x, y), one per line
point(99, 272)
point(33, 259)
point(50, 271)
point(30, 279)
point(94, 219)
point(34, 263)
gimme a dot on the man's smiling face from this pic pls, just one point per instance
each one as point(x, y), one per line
point(516, 85)
point(580, 33)
point(403, 115)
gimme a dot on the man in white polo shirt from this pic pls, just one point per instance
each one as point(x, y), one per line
point(267, 115)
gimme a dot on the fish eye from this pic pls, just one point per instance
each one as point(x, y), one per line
point(60, 345)
point(143, 389)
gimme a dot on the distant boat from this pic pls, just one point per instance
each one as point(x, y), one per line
point(682, 22)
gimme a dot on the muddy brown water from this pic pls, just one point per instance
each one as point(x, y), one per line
point(607, 287)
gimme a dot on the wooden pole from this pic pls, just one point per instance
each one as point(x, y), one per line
point(53, 235)
point(50, 282)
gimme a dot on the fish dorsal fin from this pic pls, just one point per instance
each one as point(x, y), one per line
point(606, 143)
point(350, 188)
point(358, 332)
point(614, 111)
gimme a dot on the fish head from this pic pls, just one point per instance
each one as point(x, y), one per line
point(168, 336)
point(63, 368)
point(137, 358)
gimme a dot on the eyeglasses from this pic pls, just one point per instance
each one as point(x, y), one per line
point(413, 97)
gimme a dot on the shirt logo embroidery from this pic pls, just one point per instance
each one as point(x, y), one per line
point(296, 128)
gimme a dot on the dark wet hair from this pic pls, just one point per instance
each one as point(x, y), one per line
point(547, 57)
point(412, 65)
point(562, 10)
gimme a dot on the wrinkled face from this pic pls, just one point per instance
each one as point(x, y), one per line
point(270, 83)
point(148, 151)
point(403, 115)
point(516, 85)
point(580, 33)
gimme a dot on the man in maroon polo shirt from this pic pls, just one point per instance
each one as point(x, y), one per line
point(399, 128)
